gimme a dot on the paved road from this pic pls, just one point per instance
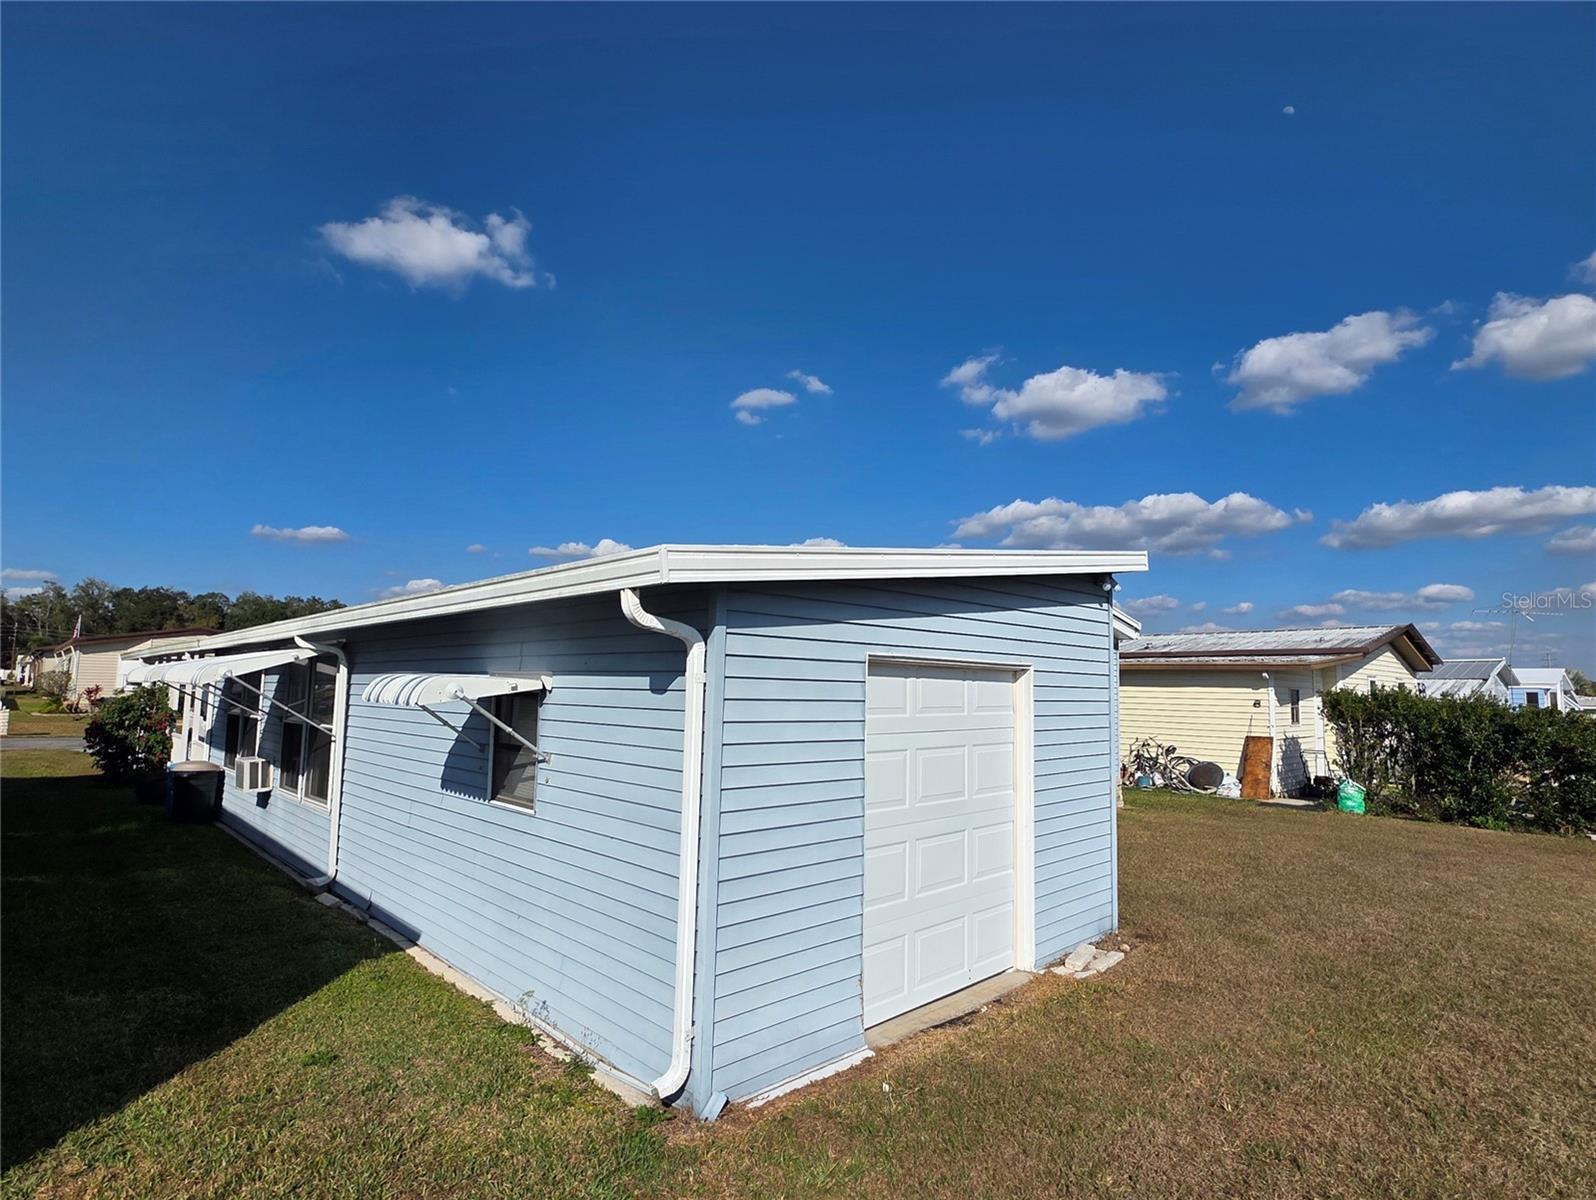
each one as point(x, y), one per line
point(35, 742)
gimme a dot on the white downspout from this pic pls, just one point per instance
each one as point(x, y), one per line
point(675, 1076)
point(335, 774)
point(1274, 749)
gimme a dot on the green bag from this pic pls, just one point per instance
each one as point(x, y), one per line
point(1349, 797)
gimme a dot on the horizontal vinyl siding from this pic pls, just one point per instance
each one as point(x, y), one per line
point(569, 910)
point(293, 830)
point(1385, 667)
point(790, 899)
point(1296, 746)
point(1203, 714)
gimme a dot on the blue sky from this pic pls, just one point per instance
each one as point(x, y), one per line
point(1114, 264)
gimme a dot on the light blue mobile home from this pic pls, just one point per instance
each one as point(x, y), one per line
point(703, 813)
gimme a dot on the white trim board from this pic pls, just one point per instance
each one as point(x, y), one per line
point(693, 565)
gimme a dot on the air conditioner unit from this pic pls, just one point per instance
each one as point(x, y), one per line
point(252, 775)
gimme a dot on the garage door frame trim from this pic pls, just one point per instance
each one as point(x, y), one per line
point(1024, 694)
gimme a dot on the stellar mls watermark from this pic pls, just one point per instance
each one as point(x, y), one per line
point(1559, 602)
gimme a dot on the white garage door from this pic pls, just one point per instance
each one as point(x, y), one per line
point(939, 833)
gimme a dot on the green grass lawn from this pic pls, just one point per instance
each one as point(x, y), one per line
point(1315, 1005)
point(29, 717)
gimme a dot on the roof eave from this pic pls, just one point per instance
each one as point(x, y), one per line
point(678, 564)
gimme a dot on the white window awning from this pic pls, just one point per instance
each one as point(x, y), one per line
point(421, 691)
point(204, 672)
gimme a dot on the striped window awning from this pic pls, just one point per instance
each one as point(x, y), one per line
point(421, 691)
point(203, 672)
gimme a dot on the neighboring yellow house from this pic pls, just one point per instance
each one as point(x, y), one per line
point(1205, 693)
point(94, 661)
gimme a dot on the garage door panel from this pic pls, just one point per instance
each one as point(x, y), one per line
point(939, 833)
point(941, 863)
point(886, 779)
point(939, 776)
point(886, 875)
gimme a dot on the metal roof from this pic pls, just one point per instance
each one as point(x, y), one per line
point(1542, 677)
point(1279, 645)
point(1466, 668)
point(694, 565)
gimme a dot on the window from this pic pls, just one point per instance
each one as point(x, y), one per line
point(243, 727)
point(1532, 699)
point(1374, 686)
point(512, 767)
point(305, 760)
point(1296, 706)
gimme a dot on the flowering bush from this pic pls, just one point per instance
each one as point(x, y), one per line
point(130, 736)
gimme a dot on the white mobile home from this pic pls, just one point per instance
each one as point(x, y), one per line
point(706, 813)
point(1206, 693)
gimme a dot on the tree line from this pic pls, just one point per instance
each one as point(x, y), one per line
point(47, 617)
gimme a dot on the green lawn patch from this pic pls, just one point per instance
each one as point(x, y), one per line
point(181, 1019)
point(1314, 1005)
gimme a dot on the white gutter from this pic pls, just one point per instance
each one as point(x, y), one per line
point(335, 774)
point(675, 1076)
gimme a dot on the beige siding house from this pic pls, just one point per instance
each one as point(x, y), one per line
point(95, 661)
point(1206, 693)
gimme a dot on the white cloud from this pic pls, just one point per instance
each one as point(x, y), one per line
point(1151, 604)
point(1462, 514)
point(1429, 597)
point(1281, 372)
point(1535, 340)
point(28, 573)
point(827, 542)
point(1205, 627)
point(580, 549)
point(1585, 270)
point(305, 534)
point(1061, 403)
point(415, 587)
point(1237, 610)
point(750, 406)
point(1200, 606)
point(1289, 110)
point(1474, 626)
point(1579, 539)
point(810, 383)
point(428, 245)
point(1314, 611)
point(981, 437)
point(476, 548)
point(1178, 523)
point(23, 590)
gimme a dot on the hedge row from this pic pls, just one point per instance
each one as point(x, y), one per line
point(1472, 761)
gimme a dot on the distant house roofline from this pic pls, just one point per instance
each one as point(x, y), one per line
point(137, 635)
point(1269, 646)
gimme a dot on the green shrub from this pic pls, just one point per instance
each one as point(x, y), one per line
point(1471, 761)
point(131, 734)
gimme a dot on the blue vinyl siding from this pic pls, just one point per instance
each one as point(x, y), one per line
point(790, 872)
point(570, 910)
point(292, 830)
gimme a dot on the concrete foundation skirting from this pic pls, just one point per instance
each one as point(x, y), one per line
point(950, 1008)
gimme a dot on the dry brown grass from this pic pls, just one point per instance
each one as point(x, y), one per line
point(1315, 1005)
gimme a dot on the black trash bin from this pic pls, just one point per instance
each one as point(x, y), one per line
point(194, 792)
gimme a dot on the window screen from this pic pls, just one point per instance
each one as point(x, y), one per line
point(514, 766)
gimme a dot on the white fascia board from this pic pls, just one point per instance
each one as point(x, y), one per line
point(694, 565)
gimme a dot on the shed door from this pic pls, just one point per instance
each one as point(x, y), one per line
point(938, 833)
